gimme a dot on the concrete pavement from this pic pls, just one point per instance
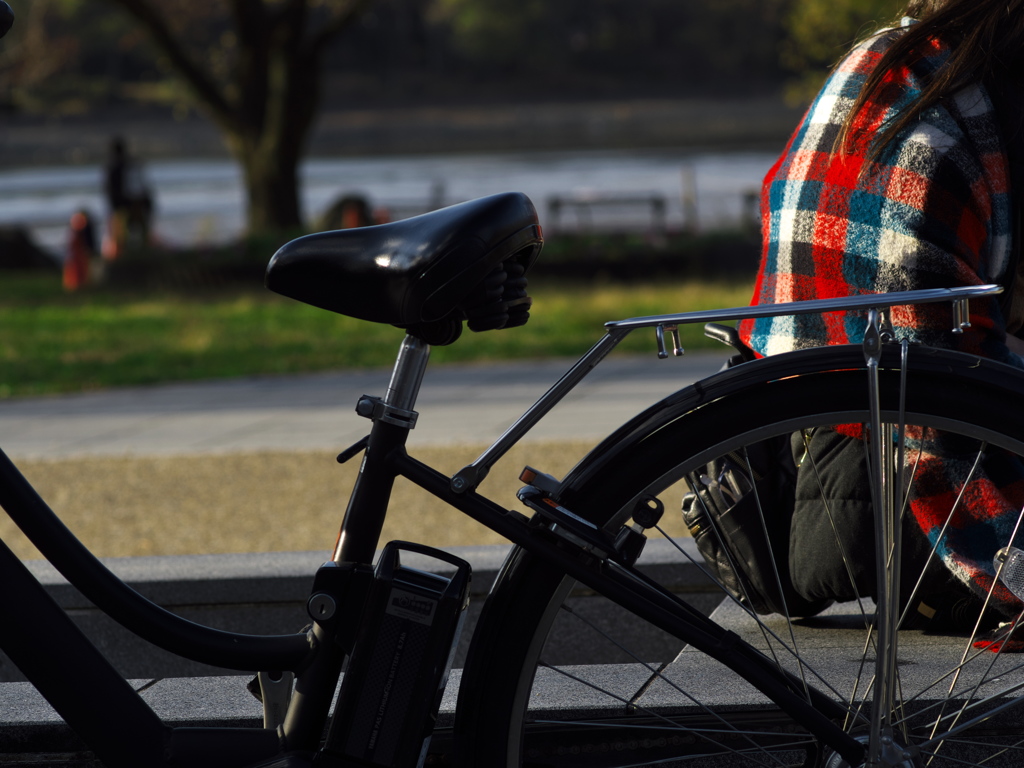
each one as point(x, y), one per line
point(458, 404)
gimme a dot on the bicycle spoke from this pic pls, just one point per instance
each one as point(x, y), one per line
point(827, 507)
point(967, 649)
point(765, 630)
point(701, 734)
point(656, 675)
point(725, 591)
point(942, 702)
point(945, 526)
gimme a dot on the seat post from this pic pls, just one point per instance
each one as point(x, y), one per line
point(393, 417)
point(407, 376)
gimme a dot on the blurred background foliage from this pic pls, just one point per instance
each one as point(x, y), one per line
point(72, 56)
point(264, 70)
point(818, 32)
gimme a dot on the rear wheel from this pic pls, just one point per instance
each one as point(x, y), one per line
point(530, 696)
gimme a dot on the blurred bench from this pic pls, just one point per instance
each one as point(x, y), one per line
point(584, 204)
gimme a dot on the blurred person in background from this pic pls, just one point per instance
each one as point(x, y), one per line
point(81, 251)
point(129, 201)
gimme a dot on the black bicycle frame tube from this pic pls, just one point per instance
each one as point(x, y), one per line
point(77, 680)
point(126, 606)
point(93, 698)
point(311, 698)
point(357, 543)
point(651, 602)
point(368, 504)
point(83, 686)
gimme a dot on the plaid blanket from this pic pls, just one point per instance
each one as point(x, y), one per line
point(968, 509)
point(932, 210)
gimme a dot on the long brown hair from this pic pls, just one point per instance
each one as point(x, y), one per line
point(985, 39)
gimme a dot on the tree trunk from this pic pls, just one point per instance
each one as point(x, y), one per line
point(266, 104)
point(271, 142)
point(271, 177)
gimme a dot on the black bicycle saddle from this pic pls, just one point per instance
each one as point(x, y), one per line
point(6, 18)
point(426, 274)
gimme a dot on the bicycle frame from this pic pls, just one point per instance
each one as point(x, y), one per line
point(68, 670)
point(580, 552)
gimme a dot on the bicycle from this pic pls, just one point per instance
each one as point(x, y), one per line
point(799, 703)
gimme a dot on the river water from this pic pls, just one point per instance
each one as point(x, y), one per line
point(201, 201)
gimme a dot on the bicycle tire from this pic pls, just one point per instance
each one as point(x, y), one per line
point(495, 725)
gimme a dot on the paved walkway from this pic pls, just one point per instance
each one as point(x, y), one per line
point(458, 404)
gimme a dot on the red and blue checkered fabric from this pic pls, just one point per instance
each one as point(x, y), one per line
point(932, 210)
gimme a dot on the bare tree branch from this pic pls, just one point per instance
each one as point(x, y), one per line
point(263, 93)
point(205, 87)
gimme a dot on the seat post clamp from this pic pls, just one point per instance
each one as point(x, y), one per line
point(375, 409)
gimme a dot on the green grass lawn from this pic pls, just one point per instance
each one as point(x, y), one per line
point(56, 342)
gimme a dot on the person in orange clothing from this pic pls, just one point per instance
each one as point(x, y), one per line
point(81, 250)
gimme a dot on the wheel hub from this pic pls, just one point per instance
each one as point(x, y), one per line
point(892, 755)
